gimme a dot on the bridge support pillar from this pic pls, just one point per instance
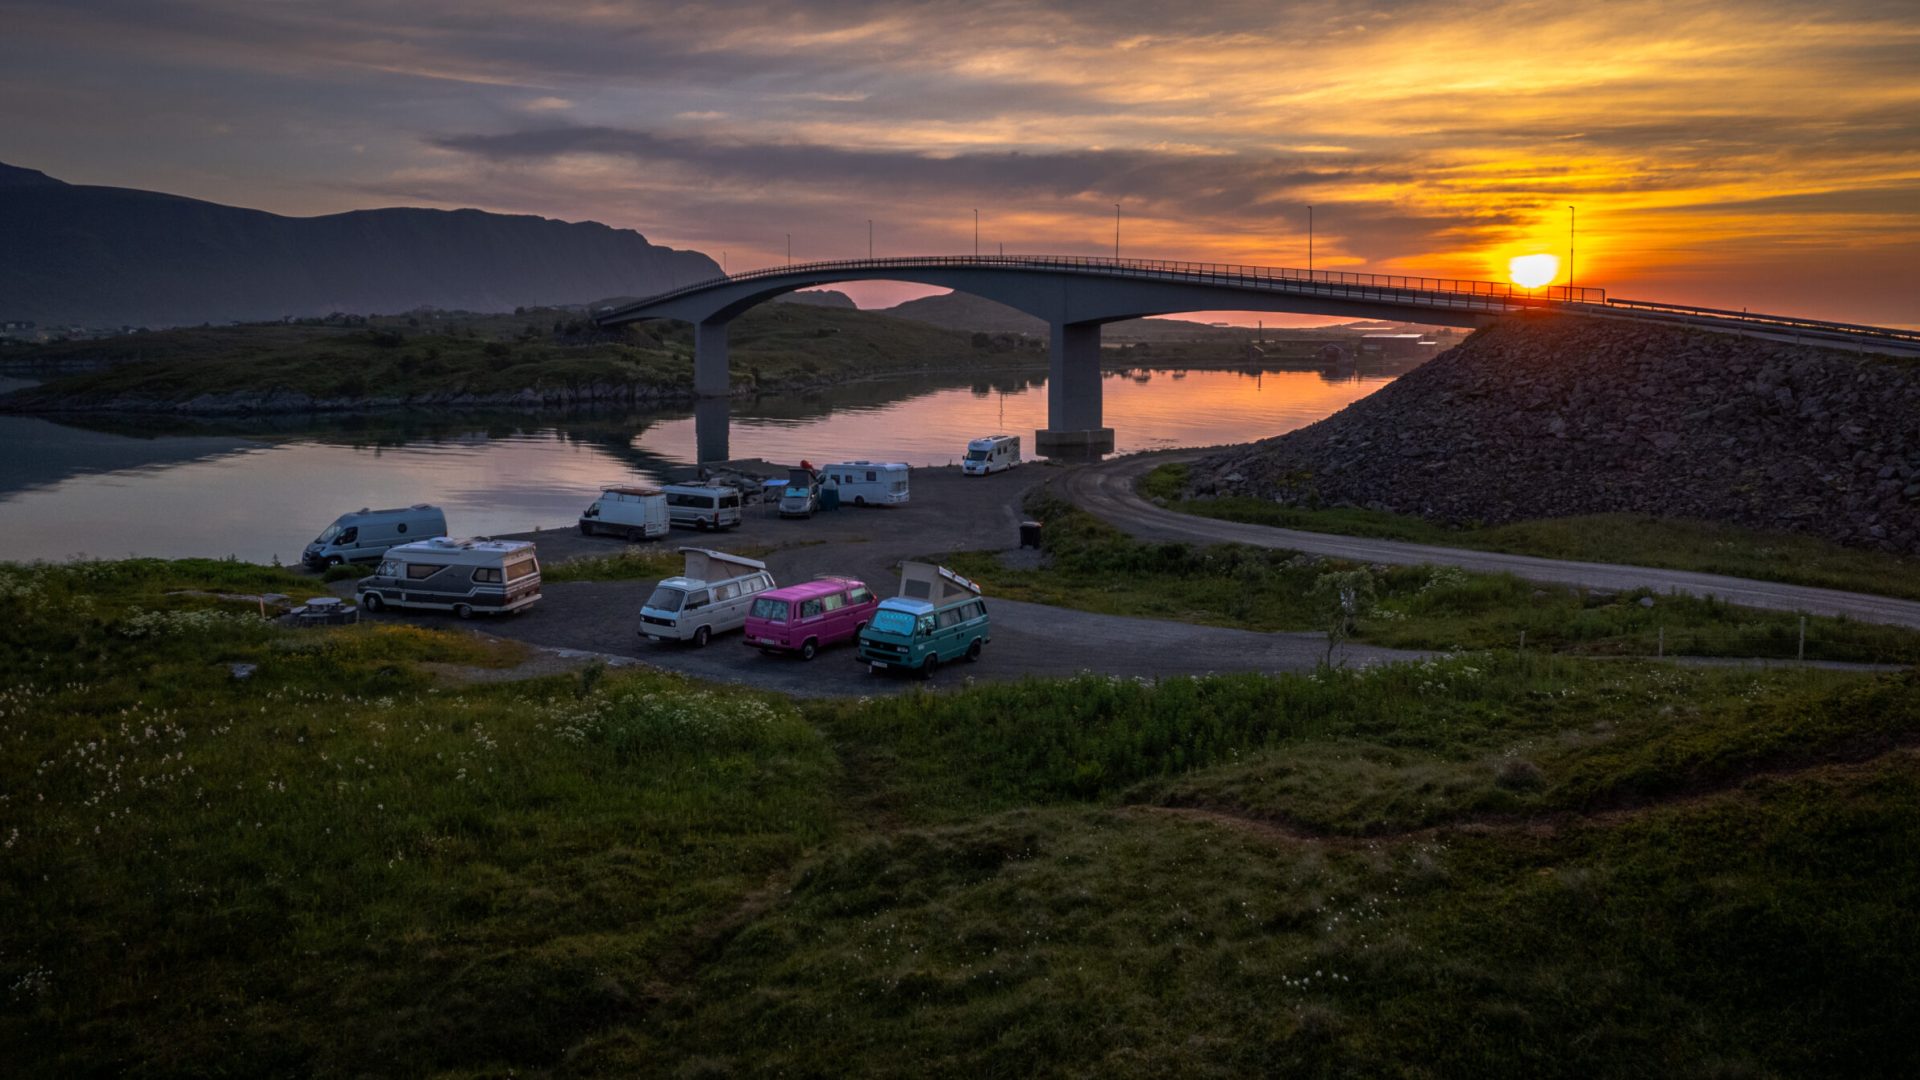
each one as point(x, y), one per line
point(1073, 394)
point(711, 420)
point(710, 359)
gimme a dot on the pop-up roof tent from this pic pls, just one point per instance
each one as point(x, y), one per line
point(935, 584)
point(704, 564)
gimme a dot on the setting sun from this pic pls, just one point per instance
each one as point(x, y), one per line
point(1533, 271)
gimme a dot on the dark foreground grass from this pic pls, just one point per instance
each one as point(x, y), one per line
point(1095, 567)
point(1478, 865)
point(338, 867)
point(1631, 539)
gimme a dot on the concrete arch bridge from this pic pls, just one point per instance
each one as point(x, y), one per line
point(1077, 295)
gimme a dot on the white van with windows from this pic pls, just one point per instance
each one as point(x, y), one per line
point(870, 483)
point(711, 596)
point(637, 513)
point(365, 535)
point(992, 454)
point(702, 507)
point(466, 577)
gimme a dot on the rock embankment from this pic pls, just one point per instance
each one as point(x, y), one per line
point(1549, 417)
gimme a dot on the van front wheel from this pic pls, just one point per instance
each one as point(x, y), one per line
point(372, 602)
point(700, 637)
point(465, 611)
point(928, 665)
point(333, 561)
point(810, 649)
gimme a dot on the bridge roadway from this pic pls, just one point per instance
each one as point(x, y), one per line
point(1107, 490)
point(1077, 295)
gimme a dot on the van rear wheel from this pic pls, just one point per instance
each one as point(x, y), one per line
point(465, 611)
point(634, 536)
point(973, 650)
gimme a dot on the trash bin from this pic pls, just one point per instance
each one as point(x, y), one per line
point(829, 498)
point(1029, 534)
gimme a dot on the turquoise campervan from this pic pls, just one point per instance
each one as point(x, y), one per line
point(938, 617)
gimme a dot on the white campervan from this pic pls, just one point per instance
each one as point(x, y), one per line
point(991, 455)
point(637, 513)
point(703, 507)
point(365, 535)
point(870, 483)
point(462, 576)
point(711, 596)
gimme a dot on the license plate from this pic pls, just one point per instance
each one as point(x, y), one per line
point(876, 665)
point(768, 641)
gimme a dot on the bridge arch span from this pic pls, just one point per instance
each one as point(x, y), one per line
point(1076, 296)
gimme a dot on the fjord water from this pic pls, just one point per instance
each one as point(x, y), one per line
point(263, 488)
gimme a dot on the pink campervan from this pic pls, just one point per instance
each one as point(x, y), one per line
point(806, 618)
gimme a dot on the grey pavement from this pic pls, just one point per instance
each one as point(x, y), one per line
point(1107, 490)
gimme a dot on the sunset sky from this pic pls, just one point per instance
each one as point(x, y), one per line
point(1752, 154)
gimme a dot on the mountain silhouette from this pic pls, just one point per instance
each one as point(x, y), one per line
point(74, 254)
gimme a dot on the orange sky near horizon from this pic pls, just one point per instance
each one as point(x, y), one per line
point(1761, 154)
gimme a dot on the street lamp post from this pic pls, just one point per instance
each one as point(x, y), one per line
point(1309, 242)
point(1116, 232)
point(789, 249)
point(869, 239)
point(1571, 218)
point(976, 232)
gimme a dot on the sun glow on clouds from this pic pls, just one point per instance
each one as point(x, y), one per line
point(1730, 152)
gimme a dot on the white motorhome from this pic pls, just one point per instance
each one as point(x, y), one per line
point(870, 483)
point(365, 535)
point(991, 455)
point(637, 513)
point(711, 596)
point(702, 507)
point(466, 577)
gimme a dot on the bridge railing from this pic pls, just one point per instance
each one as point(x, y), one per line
point(1811, 327)
point(1339, 283)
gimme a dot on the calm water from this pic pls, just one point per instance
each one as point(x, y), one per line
point(261, 489)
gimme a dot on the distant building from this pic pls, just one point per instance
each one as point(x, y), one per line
point(1397, 346)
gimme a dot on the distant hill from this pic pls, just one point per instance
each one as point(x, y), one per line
point(826, 298)
point(101, 256)
point(963, 311)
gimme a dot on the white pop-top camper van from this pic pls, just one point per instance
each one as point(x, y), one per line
point(870, 483)
point(703, 507)
point(711, 596)
point(365, 535)
point(991, 455)
point(462, 576)
point(637, 513)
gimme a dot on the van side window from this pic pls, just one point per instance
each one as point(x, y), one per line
point(400, 528)
point(834, 602)
point(859, 596)
point(950, 617)
point(725, 592)
point(697, 600)
point(486, 574)
point(809, 608)
point(871, 475)
point(917, 590)
point(419, 571)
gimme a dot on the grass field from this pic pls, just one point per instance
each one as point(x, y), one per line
point(1095, 567)
point(1633, 539)
point(389, 358)
point(1481, 865)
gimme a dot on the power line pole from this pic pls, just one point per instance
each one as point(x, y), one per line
point(1571, 218)
point(789, 249)
point(1309, 241)
point(976, 232)
point(1116, 232)
point(869, 239)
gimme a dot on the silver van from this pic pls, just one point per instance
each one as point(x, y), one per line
point(703, 507)
point(365, 535)
point(711, 596)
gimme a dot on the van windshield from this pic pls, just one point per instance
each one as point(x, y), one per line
point(770, 610)
point(893, 622)
point(328, 533)
point(797, 493)
point(976, 455)
point(666, 599)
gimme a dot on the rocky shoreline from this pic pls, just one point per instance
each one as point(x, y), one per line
point(1554, 416)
